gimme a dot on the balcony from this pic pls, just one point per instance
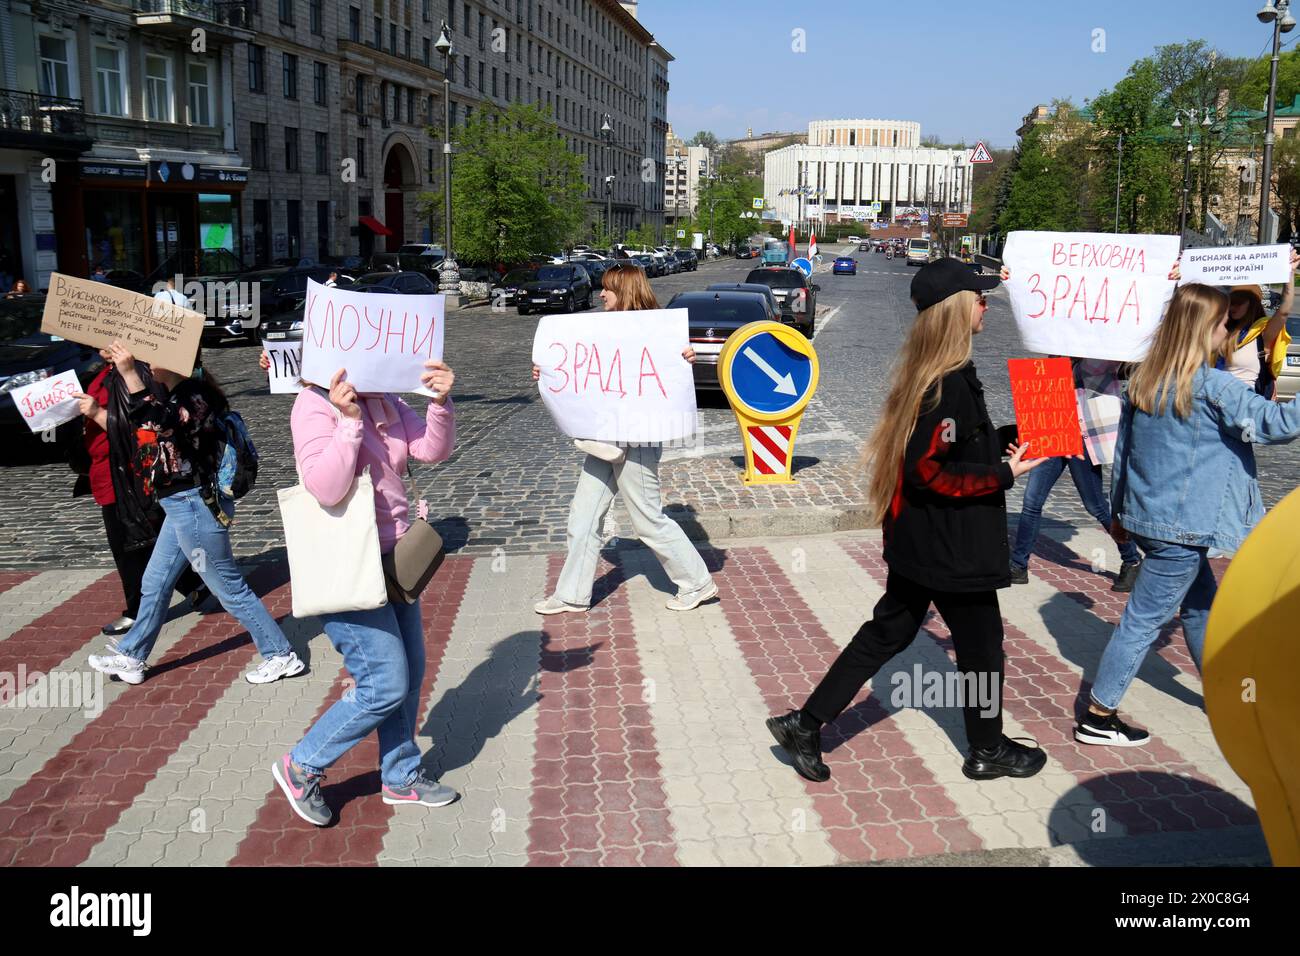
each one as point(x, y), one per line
point(54, 124)
point(231, 19)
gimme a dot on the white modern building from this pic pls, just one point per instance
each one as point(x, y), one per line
point(825, 183)
point(687, 166)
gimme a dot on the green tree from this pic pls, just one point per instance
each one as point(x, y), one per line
point(1044, 190)
point(704, 138)
point(517, 190)
point(985, 189)
point(1252, 91)
point(1286, 186)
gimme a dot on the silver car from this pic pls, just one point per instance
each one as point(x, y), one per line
point(1288, 382)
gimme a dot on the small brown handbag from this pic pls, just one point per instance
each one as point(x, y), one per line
point(415, 558)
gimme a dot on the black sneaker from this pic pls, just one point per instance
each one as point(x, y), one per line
point(1128, 572)
point(803, 745)
point(1109, 731)
point(1019, 575)
point(1007, 759)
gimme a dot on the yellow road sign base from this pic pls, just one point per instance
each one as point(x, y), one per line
point(768, 480)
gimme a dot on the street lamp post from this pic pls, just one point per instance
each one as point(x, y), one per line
point(1190, 114)
point(1278, 13)
point(607, 131)
point(448, 273)
point(1119, 174)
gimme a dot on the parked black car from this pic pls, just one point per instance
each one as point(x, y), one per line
point(597, 269)
point(689, 260)
point(28, 355)
point(652, 266)
point(509, 289)
point(566, 288)
point(746, 252)
point(796, 296)
point(405, 283)
point(712, 317)
point(755, 288)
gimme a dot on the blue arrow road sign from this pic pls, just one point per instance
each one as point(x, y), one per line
point(768, 375)
point(803, 265)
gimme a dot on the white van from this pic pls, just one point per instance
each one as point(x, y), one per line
point(918, 252)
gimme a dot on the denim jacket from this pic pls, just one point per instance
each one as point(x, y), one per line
point(1192, 481)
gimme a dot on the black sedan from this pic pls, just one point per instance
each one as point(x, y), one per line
point(508, 292)
point(566, 288)
point(28, 355)
point(689, 260)
point(652, 266)
point(712, 317)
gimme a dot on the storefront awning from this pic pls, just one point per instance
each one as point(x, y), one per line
point(375, 226)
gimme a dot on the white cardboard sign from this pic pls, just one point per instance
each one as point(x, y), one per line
point(49, 402)
point(286, 367)
point(1089, 295)
point(1237, 265)
point(617, 377)
point(382, 340)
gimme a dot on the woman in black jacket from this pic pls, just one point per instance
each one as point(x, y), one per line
point(937, 487)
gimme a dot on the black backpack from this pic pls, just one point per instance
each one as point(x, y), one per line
point(237, 471)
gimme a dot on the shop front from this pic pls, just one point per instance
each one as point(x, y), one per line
point(143, 221)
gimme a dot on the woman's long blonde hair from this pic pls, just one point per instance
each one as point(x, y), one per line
point(939, 342)
point(1183, 343)
point(632, 288)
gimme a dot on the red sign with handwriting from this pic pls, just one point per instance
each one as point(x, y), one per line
point(1047, 413)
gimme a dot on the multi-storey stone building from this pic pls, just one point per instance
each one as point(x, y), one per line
point(686, 166)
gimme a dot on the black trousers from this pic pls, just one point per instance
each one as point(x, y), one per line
point(976, 625)
point(131, 564)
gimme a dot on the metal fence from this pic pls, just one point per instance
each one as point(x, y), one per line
point(40, 114)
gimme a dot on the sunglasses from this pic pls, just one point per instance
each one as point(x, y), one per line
point(983, 301)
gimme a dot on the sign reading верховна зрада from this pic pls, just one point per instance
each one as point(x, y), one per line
point(617, 377)
point(1089, 295)
point(94, 313)
point(381, 340)
point(1236, 265)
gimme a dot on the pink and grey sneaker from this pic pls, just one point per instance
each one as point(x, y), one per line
point(303, 791)
point(421, 792)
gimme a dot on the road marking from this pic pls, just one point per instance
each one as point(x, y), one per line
point(825, 322)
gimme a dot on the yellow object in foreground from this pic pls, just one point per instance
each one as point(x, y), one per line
point(768, 372)
point(1252, 673)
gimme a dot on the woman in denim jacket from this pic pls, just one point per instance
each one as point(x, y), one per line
point(1183, 482)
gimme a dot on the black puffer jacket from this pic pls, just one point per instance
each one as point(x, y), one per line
point(947, 524)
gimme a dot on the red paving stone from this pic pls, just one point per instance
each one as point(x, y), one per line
point(66, 807)
point(9, 579)
point(866, 803)
point(1147, 789)
point(62, 631)
point(597, 797)
point(278, 837)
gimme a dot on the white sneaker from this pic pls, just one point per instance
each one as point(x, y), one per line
point(553, 605)
point(692, 600)
point(127, 669)
point(273, 668)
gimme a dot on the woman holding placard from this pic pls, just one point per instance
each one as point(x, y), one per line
point(181, 441)
point(937, 486)
point(1183, 483)
point(1254, 349)
point(634, 472)
point(339, 434)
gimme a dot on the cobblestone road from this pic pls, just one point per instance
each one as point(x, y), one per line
point(509, 483)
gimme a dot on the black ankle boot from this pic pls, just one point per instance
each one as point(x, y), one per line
point(1007, 759)
point(802, 744)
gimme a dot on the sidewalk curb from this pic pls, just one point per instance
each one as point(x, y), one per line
point(768, 523)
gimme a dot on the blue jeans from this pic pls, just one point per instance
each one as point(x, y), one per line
point(383, 650)
point(637, 479)
point(1087, 480)
point(191, 537)
point(1174, 578)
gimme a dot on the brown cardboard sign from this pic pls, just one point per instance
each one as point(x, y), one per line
point(94, 313)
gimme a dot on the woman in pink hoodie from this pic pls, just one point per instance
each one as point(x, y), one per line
point(338, 434)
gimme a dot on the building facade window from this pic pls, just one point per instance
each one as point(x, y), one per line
point(200, 95)
point(290, 75)
point(320, 83)
point(379, 33)
point(291, 149)
point(158, 100)
point(110, 85)
point(361, 157)
point(354, 24)
point(314, 17)
point(286, 11)
point(256, 68)
point(322, 153)
point(360, 104)
point(427, 49)
point(56, 70)
point(257, 141)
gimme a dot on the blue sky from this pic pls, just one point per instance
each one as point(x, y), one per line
point(963, 70)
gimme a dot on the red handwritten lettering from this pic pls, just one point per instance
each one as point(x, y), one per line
point(653, 373)
point(560, 368)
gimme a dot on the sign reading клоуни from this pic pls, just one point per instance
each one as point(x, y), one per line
point(1089, 295)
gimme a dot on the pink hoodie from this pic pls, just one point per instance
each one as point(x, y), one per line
point(331, 450)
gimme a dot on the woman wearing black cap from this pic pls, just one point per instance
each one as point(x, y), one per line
point(937, 486)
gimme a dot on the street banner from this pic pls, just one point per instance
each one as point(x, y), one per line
point(49, 402)
point(285, 372)
point(618, 378)
point(1047, 412)
point(1237, 265)
point(1089, 295)
point(94, 313)
point(382, 340)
